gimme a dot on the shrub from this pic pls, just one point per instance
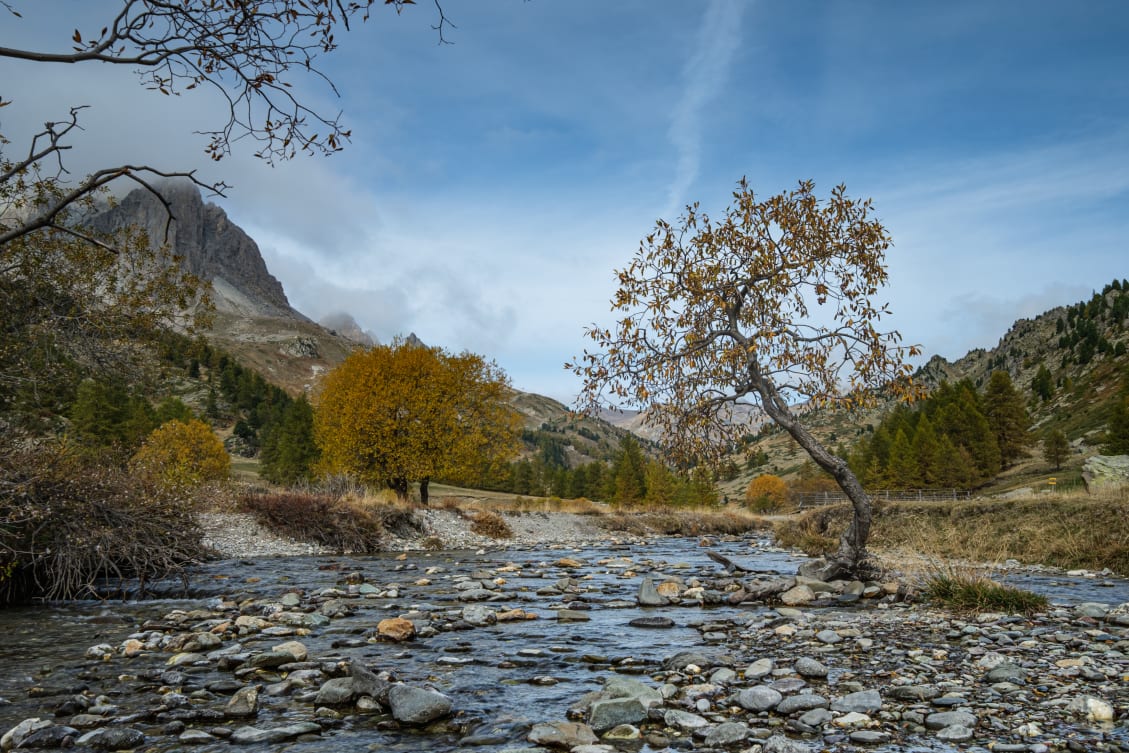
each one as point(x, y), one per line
point(345, 524)
point(492, 525)
point(183, 454)
point(70, 522)
point(766, 493)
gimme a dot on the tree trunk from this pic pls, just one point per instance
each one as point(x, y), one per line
point(423, 490)
point(851, 558)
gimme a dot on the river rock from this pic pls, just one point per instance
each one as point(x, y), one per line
point(252, 735)
point(295, 649)
point(797, 596)
point(956, 733)
point(417, 705)
point(1094, 709)
point(605, 714)
point(479, 615)
point(862, 702)
point(652, 622)
point(943, 719)
point(49, 736)
point(758, 698)
point(335, 692)
point(113, 738)
point(565, 735)
point(801, 702)
point(16, 736)
point(781, 744)
point(759, 669)
point(396, 629)
point(302, 619)
point(367, 682)
point(684, 720)
point(726, 734)
point(244, 703)
point(648, 595)
point(807, 667)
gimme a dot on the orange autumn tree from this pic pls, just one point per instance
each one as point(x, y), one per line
point(771, 306)
point(766, 492)
point(395, 414)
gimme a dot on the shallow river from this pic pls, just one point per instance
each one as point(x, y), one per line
point(502, 679)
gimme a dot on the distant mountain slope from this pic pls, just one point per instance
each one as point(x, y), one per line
point(1082, 346)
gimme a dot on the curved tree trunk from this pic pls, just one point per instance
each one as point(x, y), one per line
point(851, 557)
point(423, 494)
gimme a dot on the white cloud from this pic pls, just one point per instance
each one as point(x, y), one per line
point(704, 78)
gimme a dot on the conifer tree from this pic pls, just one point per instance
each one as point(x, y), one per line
point(628, 484)
point(1056, 448)
point(902, 471)
point(1117, 430)
point(925, 450)
point(1007, 416)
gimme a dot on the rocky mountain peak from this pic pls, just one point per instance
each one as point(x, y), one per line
point(210, 245)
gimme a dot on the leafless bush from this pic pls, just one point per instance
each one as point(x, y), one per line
point(345, 524)
point(69, 521)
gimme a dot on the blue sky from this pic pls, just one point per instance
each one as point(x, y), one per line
point(494, 184)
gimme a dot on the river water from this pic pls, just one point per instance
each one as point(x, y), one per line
point(502, 679)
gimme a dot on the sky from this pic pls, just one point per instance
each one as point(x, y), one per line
point(492, 186)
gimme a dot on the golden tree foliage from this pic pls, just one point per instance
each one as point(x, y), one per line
point(766, 492)
point(772, 305)
point(183, 454)
point(405, 412)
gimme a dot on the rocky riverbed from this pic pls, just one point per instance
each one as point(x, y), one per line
point(610, 646)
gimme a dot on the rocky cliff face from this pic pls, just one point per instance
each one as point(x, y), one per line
point(212, 247)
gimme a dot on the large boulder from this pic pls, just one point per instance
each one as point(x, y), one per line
point(1105, 472)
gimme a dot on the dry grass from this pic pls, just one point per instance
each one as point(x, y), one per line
point(683, 522)
point(1070, 531)
point(492, 525)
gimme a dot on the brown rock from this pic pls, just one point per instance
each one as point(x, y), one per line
point(396, 629)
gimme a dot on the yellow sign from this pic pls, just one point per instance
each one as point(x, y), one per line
point(1052, 481)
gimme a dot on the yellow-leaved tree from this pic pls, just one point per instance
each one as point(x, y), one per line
point(766, 493)
point(183, 454)
point(395, 414)
point(771, 306)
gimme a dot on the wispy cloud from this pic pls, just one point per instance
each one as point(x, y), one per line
point(703, 80)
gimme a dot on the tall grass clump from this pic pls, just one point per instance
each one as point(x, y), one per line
point(963, 590)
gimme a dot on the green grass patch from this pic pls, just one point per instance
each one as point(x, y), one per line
point(967, 592)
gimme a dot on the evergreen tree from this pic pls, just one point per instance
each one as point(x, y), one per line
point(902, 471)
point(289, 450)
point(701, 487)
point(661, 484)
point(627, 483)
point(1056, 448)
point(954, 465)
point(1117, 430)
point(925, 451)
point(1042, 386)
point(595, 484)
point(1007, 417)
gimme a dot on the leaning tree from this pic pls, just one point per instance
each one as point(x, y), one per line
point(772, 306)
